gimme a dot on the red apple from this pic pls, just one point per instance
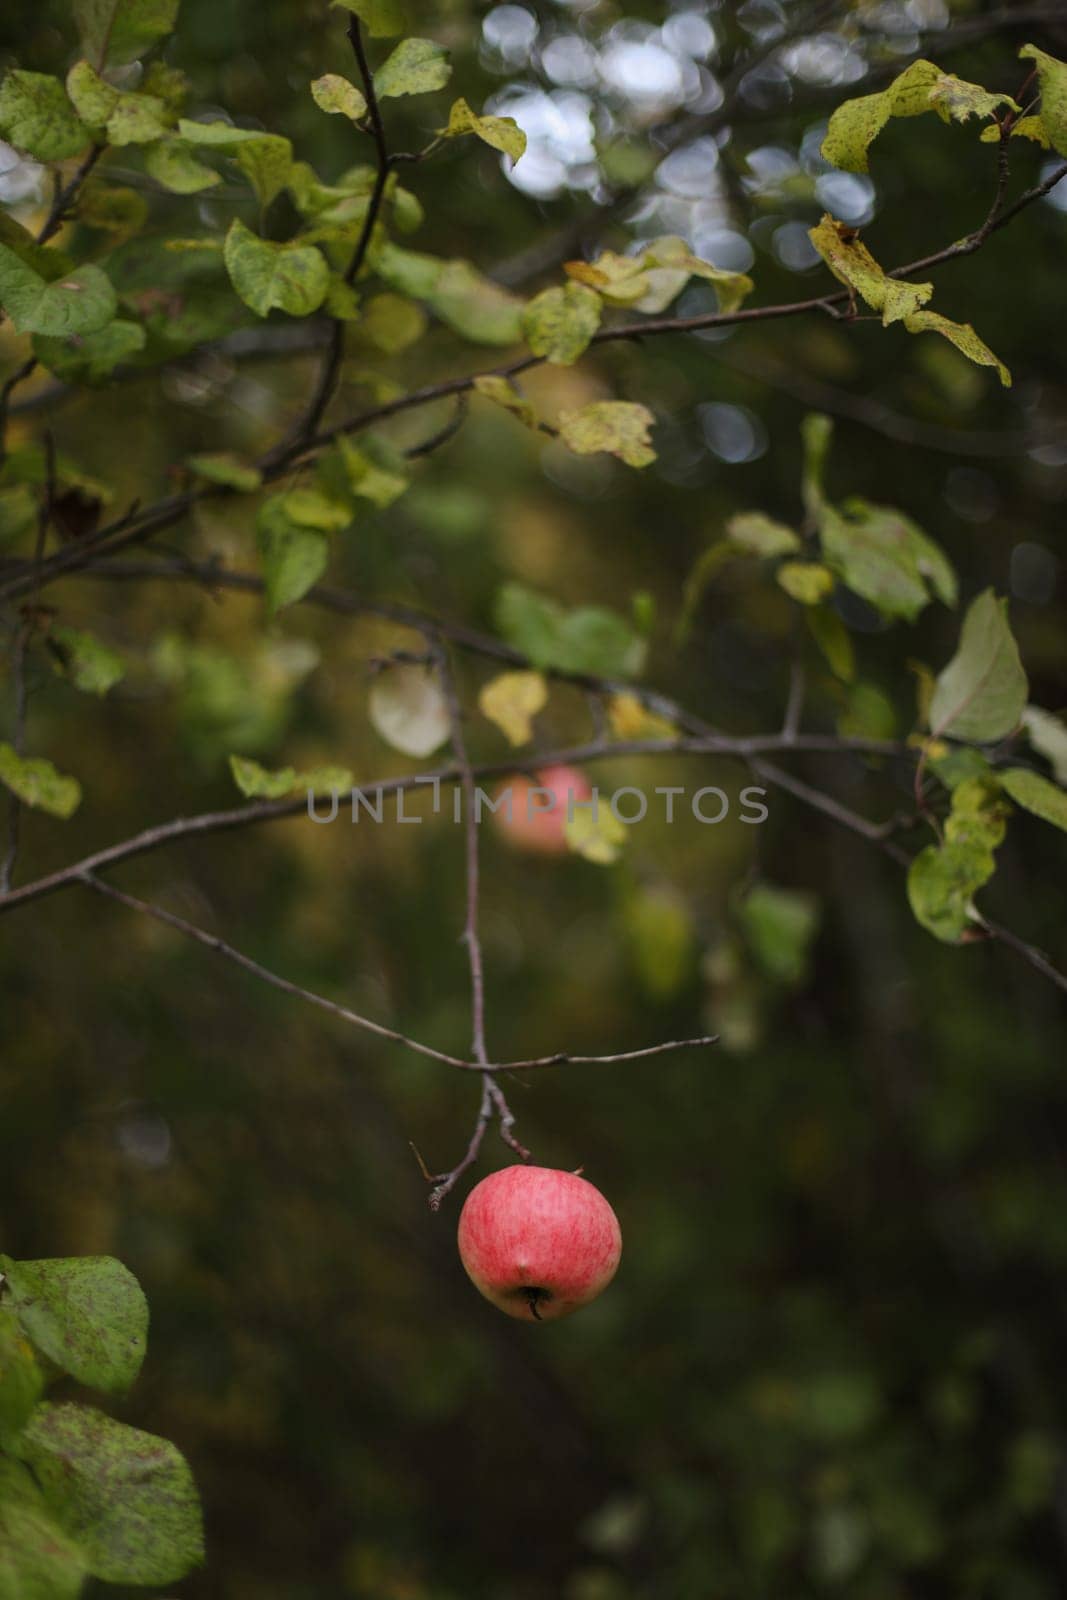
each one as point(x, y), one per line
point(537, 1242)
point(540, 807)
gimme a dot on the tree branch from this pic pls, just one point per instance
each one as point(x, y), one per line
point(133, 529)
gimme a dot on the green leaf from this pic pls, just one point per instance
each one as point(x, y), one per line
point(374, 472)
point(127, 1498)
point(467, 302)
point(817, 432)
point(502, 392)
point(338, 96)
point(856, 123)
point(868, 713)
point(37, 783)
point(22, 1383)
point(981, 694)
point(943, 880)
point(90, 358)
point(37, 1559)
point(118, 31)
point(1036, 794)
point(125, 118)
point(392, 323)
point(703, 571)
point(258, 783)
point(756, 535)
point(294, 555)
point(416, 66)
point(266, 159)
point(47, 262)
point(834, 641)
point(81, 302)
point(172, 163)
point(90, 665)
point(86, 1314)
point(113, 210)
point(779, 926)
point(36, 116)
point(618, 427)
point(18, 511)
point(885, 557)
point(588, 639)
point(383, 19)
point(963, 336)
point(501, 133)
point(1048, 735)
point(559, 323)
point(807, 582)
point(232, 471)
point(1052, 80)
point(290, 277)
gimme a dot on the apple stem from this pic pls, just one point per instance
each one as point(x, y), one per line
point(533, 1296)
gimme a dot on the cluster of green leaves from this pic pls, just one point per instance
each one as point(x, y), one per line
point(81, 1495)
point(976, 702)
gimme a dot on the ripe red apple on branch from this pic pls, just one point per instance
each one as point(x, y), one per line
point(537, 1242)
point(540, 808)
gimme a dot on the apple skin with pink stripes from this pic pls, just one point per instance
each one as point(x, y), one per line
point(539, 1243)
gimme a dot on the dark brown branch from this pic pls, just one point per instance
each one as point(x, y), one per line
point(165, 513)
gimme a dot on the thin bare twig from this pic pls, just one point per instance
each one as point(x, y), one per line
point(493, 1097)
point(331, 367)
point(487, 1069)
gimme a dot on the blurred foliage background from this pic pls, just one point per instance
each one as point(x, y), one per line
point(832, 1361)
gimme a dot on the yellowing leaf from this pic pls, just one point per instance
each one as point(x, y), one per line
point(955, 99)
point(852, 264)
point(619, 427)
point(502, 133)
point(598, 839)
point(834, 641)
point(808, 582)
point(336, 95)
point(857, 122)
point(963, 336)
point(650, 280)
point(36, 782)
point(558, 323)
point(503, 393)
point(757, 535)
point(629, 718)
point(408, 709)
point(511, 701)
point(1052, 80)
